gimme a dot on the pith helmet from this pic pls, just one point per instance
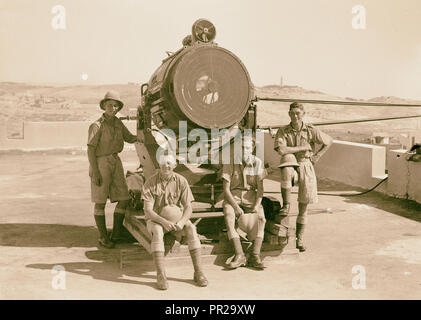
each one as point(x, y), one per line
point(111, 95)
point(171, 213)
point(288, 160)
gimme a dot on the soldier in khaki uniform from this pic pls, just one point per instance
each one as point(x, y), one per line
point(300, 139)
point(243, 192)
point(105, 141)
point(167, 205)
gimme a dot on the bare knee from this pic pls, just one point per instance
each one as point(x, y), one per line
point(157, 232)
point(229, 214)
point(261, 218)
point(302, 208)
point(190, 230)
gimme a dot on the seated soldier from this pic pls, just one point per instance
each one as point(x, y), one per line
point(243, 191)
point(167, 205)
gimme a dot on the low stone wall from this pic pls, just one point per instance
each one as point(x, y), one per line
point(364, 165)
point(49, 135)
point(355, 164)
point(404, 176)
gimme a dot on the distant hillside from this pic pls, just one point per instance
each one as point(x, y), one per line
point(272, 113)
point(391, 99)
point(276, 91)
point(31, 102)
point(83, 94)
point(27, 102)
point(298, 92)
point(80, 102)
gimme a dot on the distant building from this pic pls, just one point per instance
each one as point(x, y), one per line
point(407, 140)
point(380, 138)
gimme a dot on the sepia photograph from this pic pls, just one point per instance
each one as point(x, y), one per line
point(210, 151)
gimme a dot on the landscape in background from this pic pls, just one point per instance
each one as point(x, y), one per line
point(21, 102)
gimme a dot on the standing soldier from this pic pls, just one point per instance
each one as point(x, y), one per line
point(299, 139)
point(105, 141)
point(243, 192)
point(167, 205)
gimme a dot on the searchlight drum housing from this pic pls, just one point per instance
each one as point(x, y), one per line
point(200, 86)
point(203, 84)
point(211, 87)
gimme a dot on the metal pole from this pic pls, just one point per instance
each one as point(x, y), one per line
point(345, 103)
point(328, 123)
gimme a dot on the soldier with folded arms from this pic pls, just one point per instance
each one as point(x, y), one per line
point(298, 139)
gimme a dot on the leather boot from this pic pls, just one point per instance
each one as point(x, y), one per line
point(299, 234)
point(116, 235)
point(161, 278)
point(198, 277)
point(239, 258)
point(286, 200)
point(103, 236)
point(254, 260)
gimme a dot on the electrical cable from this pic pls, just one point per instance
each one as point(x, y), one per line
point(353, 194)
point(344, 194)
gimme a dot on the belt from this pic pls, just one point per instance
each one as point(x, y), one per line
point(246, 189)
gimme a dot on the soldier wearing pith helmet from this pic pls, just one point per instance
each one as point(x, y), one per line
point(106, 139)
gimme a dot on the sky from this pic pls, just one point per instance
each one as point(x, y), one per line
point(310, 43)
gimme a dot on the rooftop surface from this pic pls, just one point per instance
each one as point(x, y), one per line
point(47, 220)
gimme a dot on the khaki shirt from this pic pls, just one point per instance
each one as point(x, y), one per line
point(289, 137)
point(107, 136)
point(244, 181)
point(175, 191)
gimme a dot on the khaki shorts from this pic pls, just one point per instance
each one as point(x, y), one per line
point(157, 243)
point(307, 183)
point(113, 185)
point(178, 234)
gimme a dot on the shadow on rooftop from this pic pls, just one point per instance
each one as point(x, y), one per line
point(405, 208)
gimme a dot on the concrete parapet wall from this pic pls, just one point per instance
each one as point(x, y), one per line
point(45, 135)
point(398, 171)
point(414, 183)
point(355, 164)
point(404, 177)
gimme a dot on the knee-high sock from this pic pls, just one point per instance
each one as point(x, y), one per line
point(237, 246)
point(257, 245)
point(117, 223)
point(100, 223)
point(196, 259)
point(158, 257)
point(299, 231)
point(286, 196)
